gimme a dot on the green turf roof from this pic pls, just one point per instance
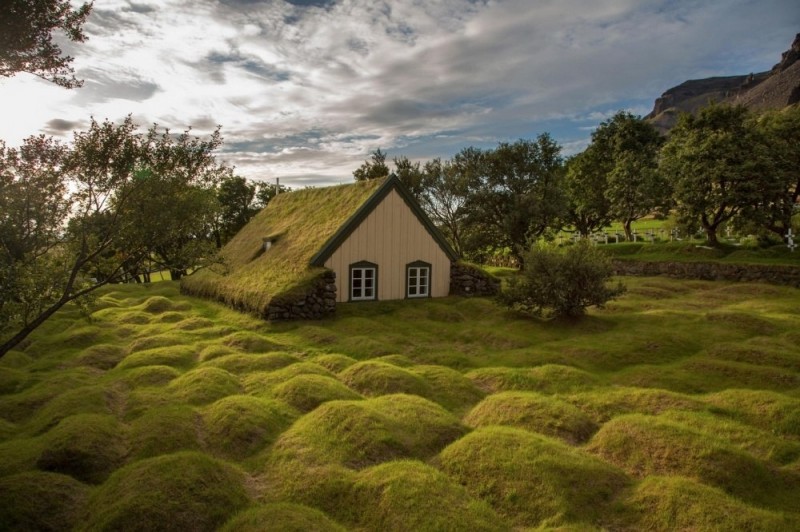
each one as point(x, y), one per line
point(299, 223)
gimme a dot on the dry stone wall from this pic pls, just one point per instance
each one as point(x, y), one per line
point(468, 280)
point(713, 271)
point(317, 302)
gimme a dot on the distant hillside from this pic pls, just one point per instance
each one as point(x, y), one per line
point(774, 89)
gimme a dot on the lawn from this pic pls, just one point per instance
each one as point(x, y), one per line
point(676, 407)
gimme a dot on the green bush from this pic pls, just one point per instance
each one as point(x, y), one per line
point(562, 283)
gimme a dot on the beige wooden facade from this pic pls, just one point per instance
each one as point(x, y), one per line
point(392, 237)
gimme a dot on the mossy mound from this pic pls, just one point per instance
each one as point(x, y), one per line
point(724, 374)
point(101, 356)
point(777, 354)
point(410, 495)
point(250, 342)
point(164, 430)
point(160, 304)
point(396, 360)
point(607, 403)
point(334, 362)
point(178, 356)
point(83, 400)
point(327, 487)
point(449, 387)
point(648, 445)
point(533, 480)
point(193, 323)
point(19, 407)
point(19, 455)
point(148, 376)
point(768, 410)
point(550, 378)
point(7, 429)
point(238, 363)
point(38, 500)
point(181, 491)
point(239, 425)
point(675, 503)
point(262, 382)
point(12, 380)
point(307, 392)
point(374, 378)
point(204, 385)
point(363, 433)
point(286, 517)
point(157, 340)
point(743, 321)
point(87, 447)
point(210, 352)
point(535, 412)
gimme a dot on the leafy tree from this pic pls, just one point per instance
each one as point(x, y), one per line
point(517, 194)
point(782, 131)
point(236, 199)
point(26, 38)
point(266, 191)
point(625, 149)
point(410, 174)
point(720, 167)
point(444, 189)
point(373, 169)
point(585, 183)
point(562, 283)
point(72, 220)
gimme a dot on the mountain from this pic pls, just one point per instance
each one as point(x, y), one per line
point(775, 89)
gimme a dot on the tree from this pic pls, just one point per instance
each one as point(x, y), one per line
point(585, 183)
point(443, 193)
point(26, 38)
point(410, 174)
point(517, 194)
point(625, 149)
point(266, 191)
point(72, 220)
point(374, 169)
point(236, 199)
point(562, 283)
point(782, 132)
point(720, 167)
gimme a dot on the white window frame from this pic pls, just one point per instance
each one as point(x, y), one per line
point(416, 273)
point(367, 274)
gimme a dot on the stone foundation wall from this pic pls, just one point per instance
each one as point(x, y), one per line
point(316, 303)
point(467, 280)
point(713, 271)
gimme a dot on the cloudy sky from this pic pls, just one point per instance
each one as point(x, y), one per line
point(305, 89)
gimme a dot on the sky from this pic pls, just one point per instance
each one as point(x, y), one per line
point(305, 90)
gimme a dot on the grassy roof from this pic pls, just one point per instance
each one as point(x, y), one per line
point(299, 223)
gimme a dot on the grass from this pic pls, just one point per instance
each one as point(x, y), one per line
point(676, 407)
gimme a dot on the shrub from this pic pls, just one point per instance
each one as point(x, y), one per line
point(562, 283)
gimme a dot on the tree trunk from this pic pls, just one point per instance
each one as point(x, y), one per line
point(32, 326)
point(627, 227)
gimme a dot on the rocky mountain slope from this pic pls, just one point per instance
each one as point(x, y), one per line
point(774, 89)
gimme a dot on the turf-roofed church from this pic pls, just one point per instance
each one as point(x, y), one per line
point(309, 249)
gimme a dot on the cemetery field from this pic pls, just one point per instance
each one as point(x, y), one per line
point(675, 407)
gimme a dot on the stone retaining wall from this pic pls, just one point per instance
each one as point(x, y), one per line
point(316, 303)
point(468, 280)
point(713, 271)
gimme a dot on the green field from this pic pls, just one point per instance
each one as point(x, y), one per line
point(676, 407)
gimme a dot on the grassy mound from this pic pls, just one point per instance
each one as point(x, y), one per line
point(334, 362)
point(307, 392)
point(83, 400)
point(550, 378)
point(379, 378)
point(535, 412)
point(768, 410)
point(164, 430)
point(249, 363)
point(533, 480)
point(250, 342)
point(449, 387)
point(101, 356)
point(210, 352)
point(363, 433)
point(262, 382)
point(604, 404)
point(87, 447)
point(148, 376)
point(22, 405)
point(37, 500)
point(182, 491)
point(285, 517)
point(156, 340)
point(193, 323)
point(409, 495)
point(239, 425)
point(675, 503)
point(204, 385)
point(178, 356)
point(775, 354)
point(19, 455)
point(647, 445)
point(159, 304)
point(7, 429)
